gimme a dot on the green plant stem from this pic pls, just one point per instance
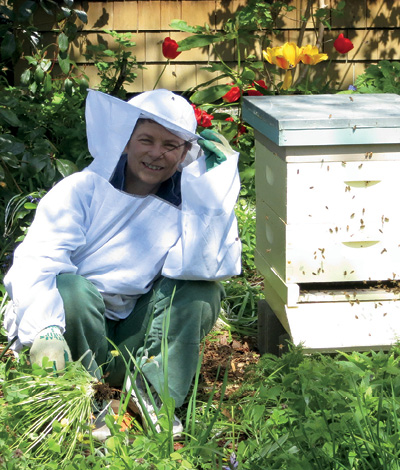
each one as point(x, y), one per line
point(161, 74)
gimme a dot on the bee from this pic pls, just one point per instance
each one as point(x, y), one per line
point(351, 98)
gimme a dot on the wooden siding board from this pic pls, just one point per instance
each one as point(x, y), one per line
point(355, 15)
point(170, 10)
point(126, 17)
point(153, 46)
point(372, 25)
point(149, 15)
point(199, 12)
point(383, 14)
point(389, 45)
point(100, 15)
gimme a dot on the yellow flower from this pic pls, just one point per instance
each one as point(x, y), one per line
point(286, 57)
point(311, 55)
point(289, 55)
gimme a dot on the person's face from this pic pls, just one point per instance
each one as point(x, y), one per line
point(154, 155)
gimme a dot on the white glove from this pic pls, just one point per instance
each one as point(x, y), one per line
point(50, 343)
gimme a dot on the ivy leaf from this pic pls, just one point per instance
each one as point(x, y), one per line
point(63, 42)
point(211, 94)
point(66, 167)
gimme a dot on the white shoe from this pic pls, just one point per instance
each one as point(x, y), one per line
point(152, 410)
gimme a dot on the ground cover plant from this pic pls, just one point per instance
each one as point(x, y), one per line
point(292, 412)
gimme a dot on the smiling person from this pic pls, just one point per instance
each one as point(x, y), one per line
point(147, 230)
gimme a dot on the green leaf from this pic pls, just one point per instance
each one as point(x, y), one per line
point(39, 74)
point(199, 40)
point(26, 9)
point(81, 15)
point(8, 143)
point(54, 446)
point(83, 84)
point(35, 163)
point(211, 94)
point(68, 86)
point(66, 12)
point(248, 74)
point(25, 77)
point(47, 84)
point(10, 117)
point(64, 64)
point(66, 167)
point(30, 205)
point(183, 26)
point(63, 42)
point(8, 45)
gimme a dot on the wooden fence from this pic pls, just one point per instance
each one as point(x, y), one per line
point(372, 25)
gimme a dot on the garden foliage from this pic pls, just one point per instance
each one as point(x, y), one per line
point(297, 412)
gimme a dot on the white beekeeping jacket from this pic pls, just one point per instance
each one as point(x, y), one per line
point(118, 241)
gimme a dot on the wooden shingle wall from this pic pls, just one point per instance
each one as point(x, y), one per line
point(372, 25)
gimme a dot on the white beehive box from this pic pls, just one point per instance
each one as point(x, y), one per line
point(327, 169)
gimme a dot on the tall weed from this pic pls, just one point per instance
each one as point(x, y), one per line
point(323, 412)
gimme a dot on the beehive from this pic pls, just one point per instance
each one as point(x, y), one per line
point(328, 223)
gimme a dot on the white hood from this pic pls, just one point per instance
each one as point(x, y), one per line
point(110, 122)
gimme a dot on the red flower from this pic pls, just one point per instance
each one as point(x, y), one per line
point(169, 48)
point(342, 44)
point(203, 119)
point(232, 95)
point(261, 83)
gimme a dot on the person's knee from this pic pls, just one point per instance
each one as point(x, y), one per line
point(198, 303)
point(78, 295)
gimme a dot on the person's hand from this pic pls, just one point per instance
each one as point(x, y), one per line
point(216, 148)
point(50, 343)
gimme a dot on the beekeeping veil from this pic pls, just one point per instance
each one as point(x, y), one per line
point(110, 122)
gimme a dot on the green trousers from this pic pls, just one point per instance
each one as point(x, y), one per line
point(193, 308)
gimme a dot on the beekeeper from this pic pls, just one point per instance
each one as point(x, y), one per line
point(148, 228)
